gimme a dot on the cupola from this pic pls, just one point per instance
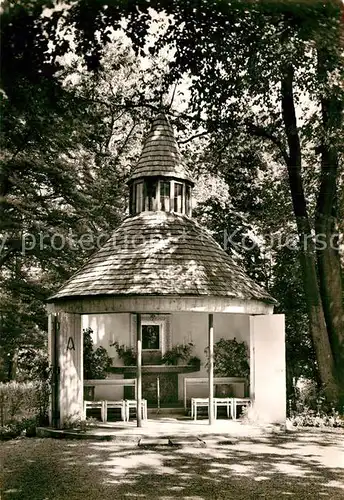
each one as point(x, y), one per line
point(160, 181)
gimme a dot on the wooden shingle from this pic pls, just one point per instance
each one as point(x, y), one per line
point(160, 155)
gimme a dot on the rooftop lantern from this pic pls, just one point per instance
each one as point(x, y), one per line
point(160, 181)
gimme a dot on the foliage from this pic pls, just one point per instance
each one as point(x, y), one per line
point(288, 290)
point(23, 406)
point(26, 426)
point(75, 422)
point(78, 424)
point(195, 362)
point(311, 409)
point(91, 422)
point(230, 358)
point(32, 364)
point(307, 417)
point(96, 361)
point(67, 142)
point(178, 353)
point(21, 326)
point(125, 353)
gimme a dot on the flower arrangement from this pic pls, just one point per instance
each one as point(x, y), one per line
point(178, 353)
point(125, 353)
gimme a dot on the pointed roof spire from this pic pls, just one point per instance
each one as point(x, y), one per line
point(160, 155)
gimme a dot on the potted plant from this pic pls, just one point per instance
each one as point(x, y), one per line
point(195, 362)
point(178, 354)
point(125, 353)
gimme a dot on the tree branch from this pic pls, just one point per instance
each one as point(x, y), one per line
point(201, 134)
point(260, 131)
point(126, 140)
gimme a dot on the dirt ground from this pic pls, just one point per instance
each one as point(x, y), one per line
point(298, 465)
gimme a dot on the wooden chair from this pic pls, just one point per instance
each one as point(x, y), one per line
point(95, 405)
point(242, 402)
point(227, 402)
point(105, 405)
point(217, 381)
point(198, 403)
point(131, 403)
point(115, 404)
point(204, 402)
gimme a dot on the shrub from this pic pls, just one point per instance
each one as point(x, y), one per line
point(32, 364)
point(312, 410)
point(8, 431)
point(23, 405)
point(75, 422)
point(230, 358)
point(307, 417)
point(96, 361)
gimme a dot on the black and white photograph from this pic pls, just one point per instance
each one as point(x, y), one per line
point(171, 249)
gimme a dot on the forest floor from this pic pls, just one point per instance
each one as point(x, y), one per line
point(301, 465)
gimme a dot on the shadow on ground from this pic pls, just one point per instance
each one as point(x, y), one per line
point(303, 465)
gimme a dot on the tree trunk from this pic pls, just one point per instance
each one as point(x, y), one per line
point(326, 224)
point(315, 310)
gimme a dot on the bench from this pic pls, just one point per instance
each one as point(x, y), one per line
point(204, 380)
point(230, 403)
point(104, 405)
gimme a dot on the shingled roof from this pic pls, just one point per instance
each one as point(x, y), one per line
point(162, 253)
point(160, 155)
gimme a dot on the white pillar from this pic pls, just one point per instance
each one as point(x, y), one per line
point(53, 356)
point(267, 368)
point(70, 347)
point(211, 367)
point(139, 370)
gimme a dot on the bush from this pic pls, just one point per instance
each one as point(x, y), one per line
point(307, 417)
point(32, 364)
point(27, 426)
point(76, 423)
point(23, 405)
point(310, 408)
point(230, 358)
point(96, 361)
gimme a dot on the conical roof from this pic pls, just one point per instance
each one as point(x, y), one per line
point(160, 155)
point(162, 253)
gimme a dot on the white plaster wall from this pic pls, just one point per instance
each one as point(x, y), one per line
point(107, 328)
point(268, 372)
